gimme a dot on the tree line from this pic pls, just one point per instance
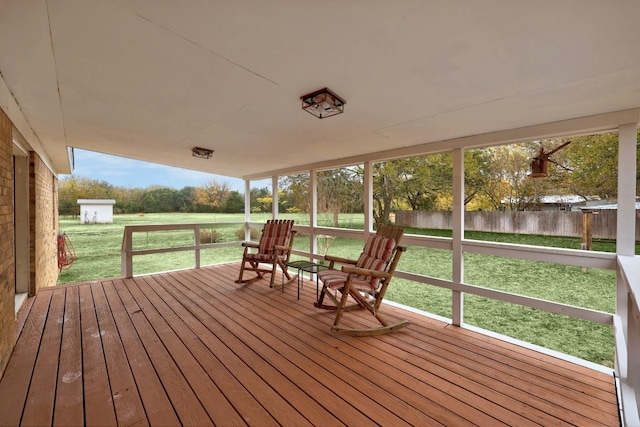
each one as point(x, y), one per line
point(496, 178)
point(213, 197)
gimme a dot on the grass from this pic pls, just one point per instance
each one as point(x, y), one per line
point(98, 256)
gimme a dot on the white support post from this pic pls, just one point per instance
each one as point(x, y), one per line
point(457, 316)
point(247, 209)
point(625, 245)
point(368, 199)
point(626, 215)
point(627, 140)
point(313, 211)
point(274, 196)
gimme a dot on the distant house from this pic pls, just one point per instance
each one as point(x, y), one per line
point(96, 211)
point(564, 203)
point(605, 207)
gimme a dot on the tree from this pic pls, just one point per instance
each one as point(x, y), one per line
point(340, 191)
point(71, 189)
point(128, 200)
point(260, 199)
point(185, 199)
point(476, 177)
point(160, 200)
point(385, 189)
point(295, 192)
point(507, 184)
point(235, 203)
point(594, 160)
point(213, 195)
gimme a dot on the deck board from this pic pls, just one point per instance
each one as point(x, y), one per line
point(39, 406)
point(194, 348)
point(227, 386)
point(69, 406)
point(124, 397)
point(97, 389)
point(21, 365)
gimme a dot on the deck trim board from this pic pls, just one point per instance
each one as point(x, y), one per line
point(193, 347)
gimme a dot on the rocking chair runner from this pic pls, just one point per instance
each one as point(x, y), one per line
point(365, 280)
point(273, 249)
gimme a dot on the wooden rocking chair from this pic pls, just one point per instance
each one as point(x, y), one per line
point(274, 249)
point(365, 280)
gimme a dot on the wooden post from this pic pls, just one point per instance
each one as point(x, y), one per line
point(587, 232)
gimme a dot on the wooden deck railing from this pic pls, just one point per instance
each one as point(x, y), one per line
point(581, 258)
point(127, 252)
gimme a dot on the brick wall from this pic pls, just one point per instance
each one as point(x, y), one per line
point(7, 261)
point(43, 230)
point(43, 224)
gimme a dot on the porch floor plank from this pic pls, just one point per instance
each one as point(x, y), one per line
point(20, 367)
point(97, 390)
point(194, 348)
point(157, 405)
point(69, 407)
point(124, 398)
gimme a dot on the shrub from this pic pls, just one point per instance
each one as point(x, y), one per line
point(255, 234)
point(209, 236)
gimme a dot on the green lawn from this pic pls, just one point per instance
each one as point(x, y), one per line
point(98, 256)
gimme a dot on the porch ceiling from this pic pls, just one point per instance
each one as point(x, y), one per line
point(149, 80)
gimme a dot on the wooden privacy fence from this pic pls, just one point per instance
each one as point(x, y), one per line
point(546, 223)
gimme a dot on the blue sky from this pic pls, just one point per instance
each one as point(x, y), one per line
point(129, 173)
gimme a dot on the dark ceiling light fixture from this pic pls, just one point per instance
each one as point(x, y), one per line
point(540, 163)
point(201, 153)
point(323, 103)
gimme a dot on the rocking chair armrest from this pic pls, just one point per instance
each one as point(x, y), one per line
point(281, 248)
point(339, 260)
point(250, 245)
point(365, 272)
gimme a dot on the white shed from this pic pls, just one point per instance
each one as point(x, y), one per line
point(96, 211)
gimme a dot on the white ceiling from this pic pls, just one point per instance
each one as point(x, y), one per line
point(151, 79)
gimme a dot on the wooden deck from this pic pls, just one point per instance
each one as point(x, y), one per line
point(194, 348)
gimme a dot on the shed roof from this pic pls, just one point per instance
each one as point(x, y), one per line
point(96, 202)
